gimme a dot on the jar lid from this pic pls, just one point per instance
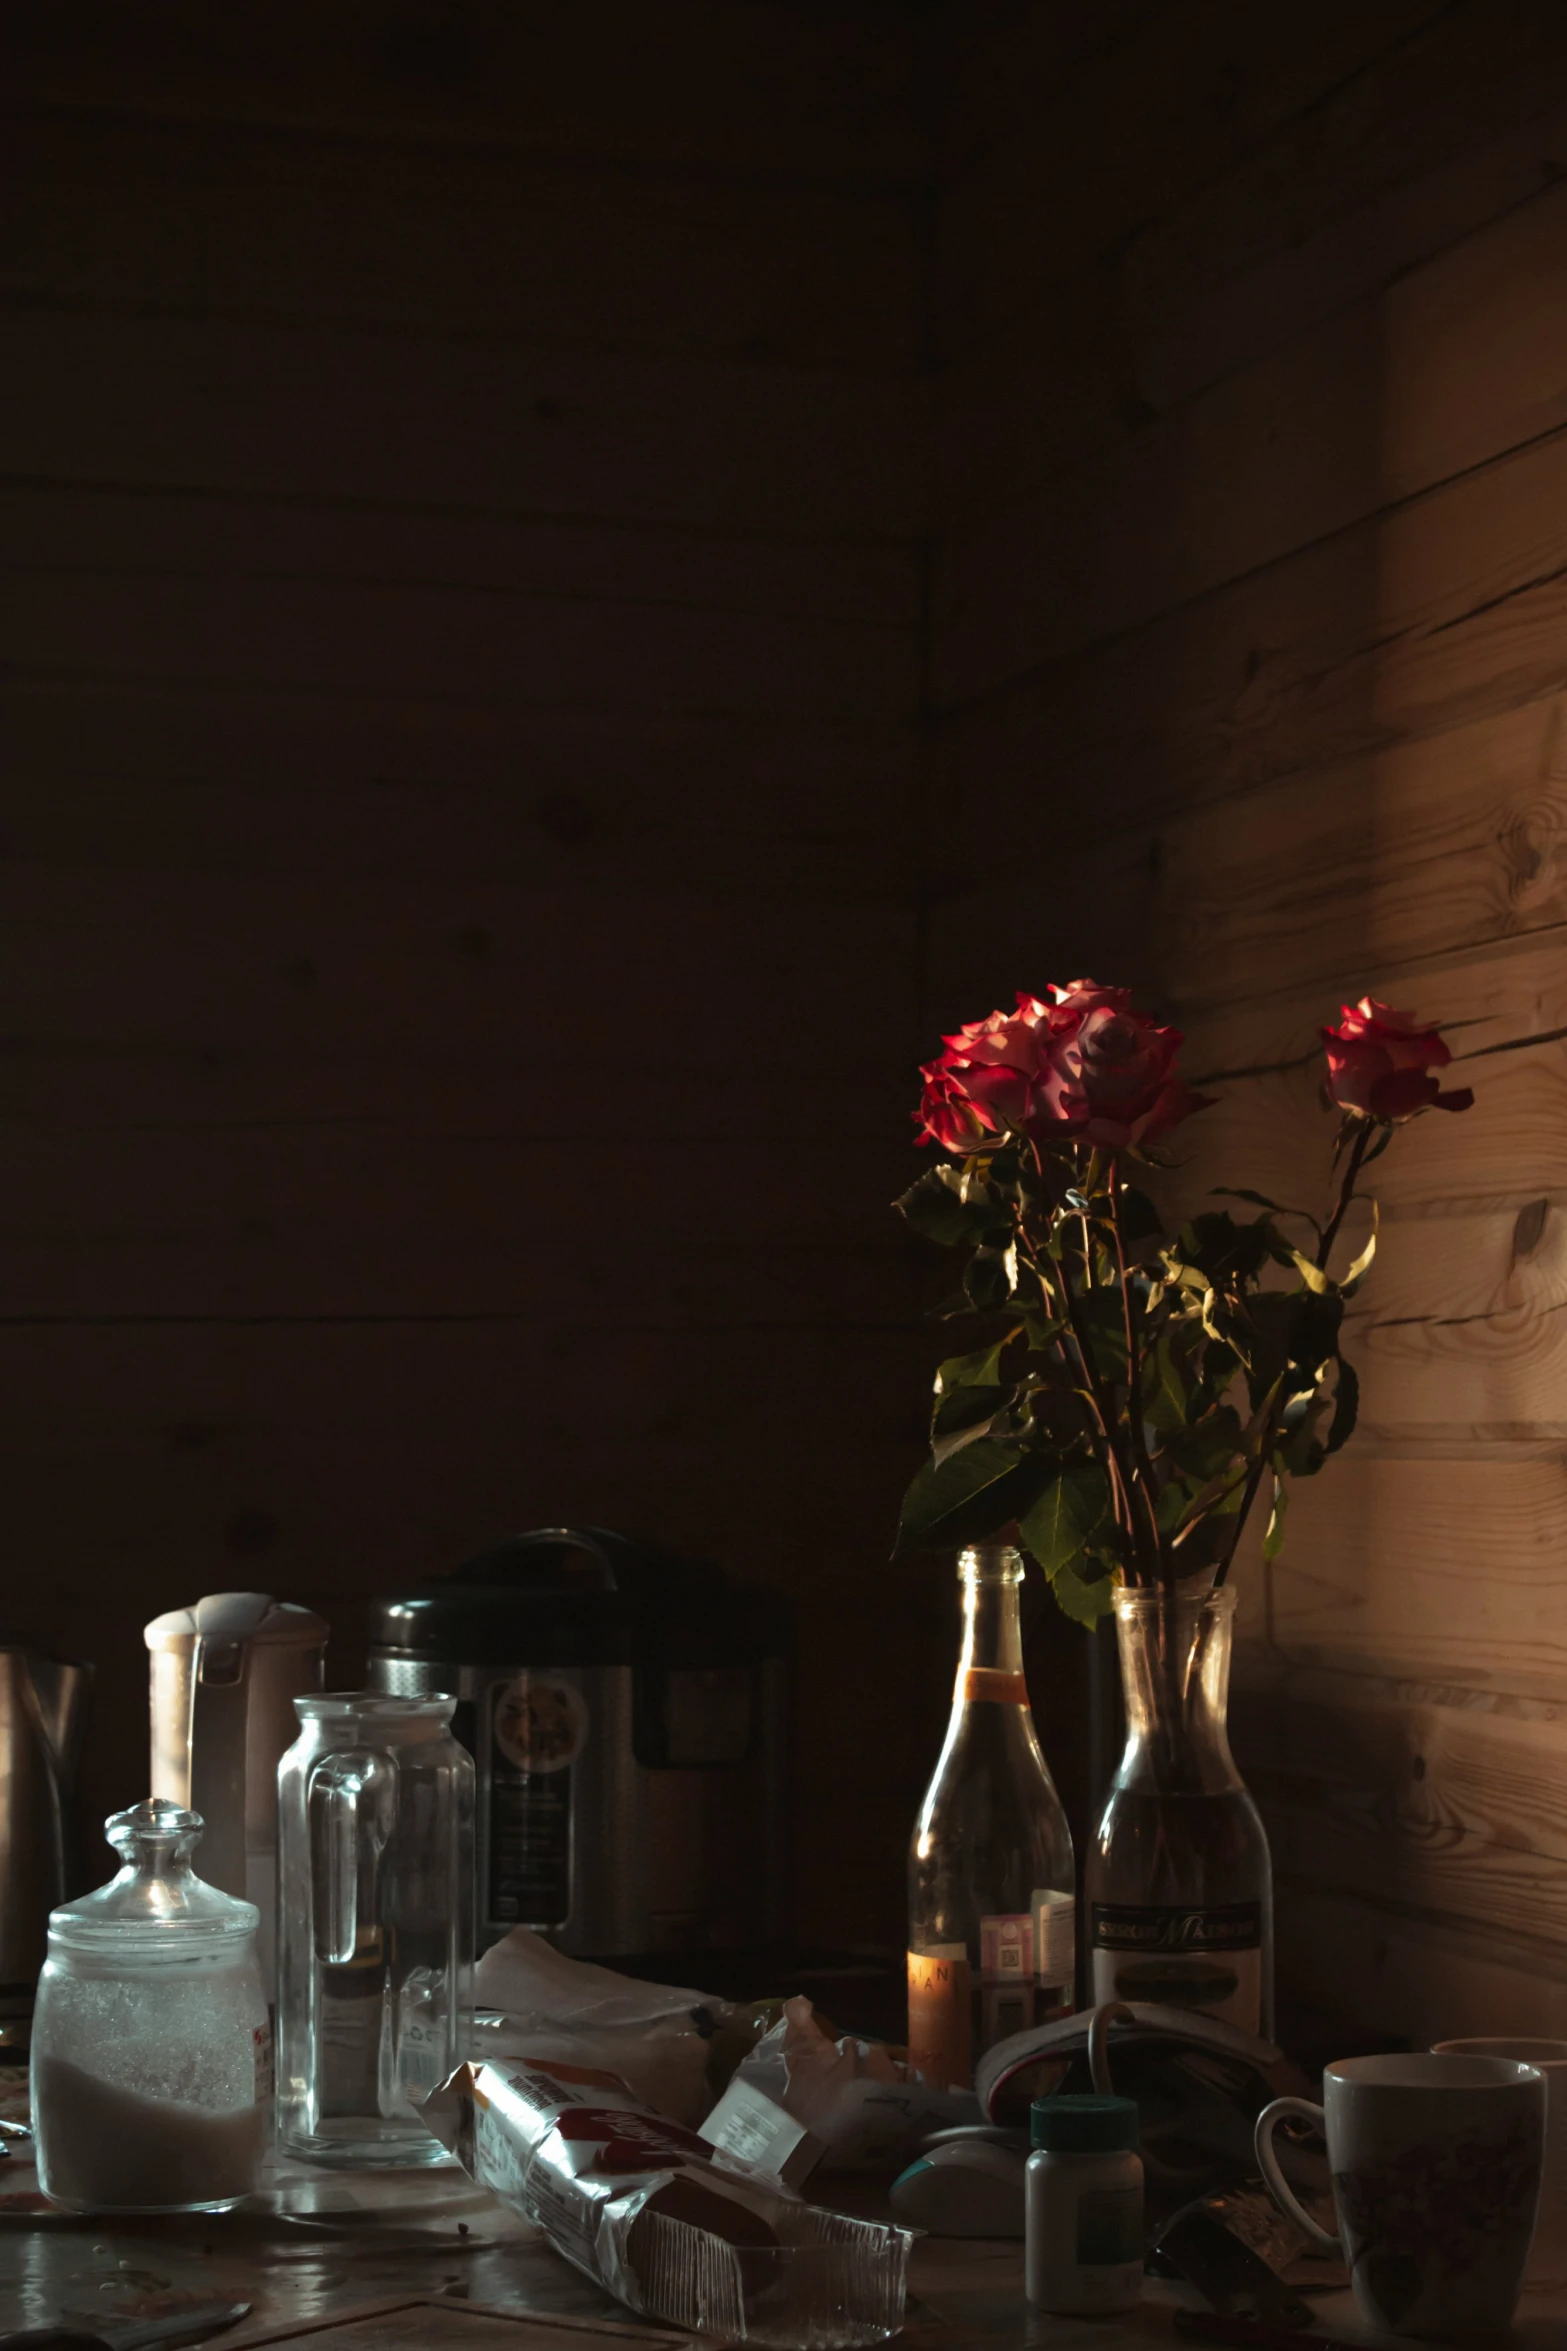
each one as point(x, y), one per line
point(1083, 2125)
point(156, 1902)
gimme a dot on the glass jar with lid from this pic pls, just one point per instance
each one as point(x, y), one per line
point(152, 2056)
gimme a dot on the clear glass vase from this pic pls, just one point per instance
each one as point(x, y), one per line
point(1180, 1884)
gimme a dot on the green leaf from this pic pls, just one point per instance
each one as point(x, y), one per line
point(990, 1278)
point(1346, 1407)
point(1302, 1450)
point(1273, 1540)
point(1206, 1447)
point(1296, 1331)
point(970, 1494)
point(982, 1369)
point(1172, 1379)
point(1362, 1265)
point(1065, 1515)
point(1312, 1275)
point(1084, 1599)
point(1139, 1220)
point(1043, 1331)
point(1101, 1321)
point(936, 1206)
point(1227, 1252)
point(964, 1415)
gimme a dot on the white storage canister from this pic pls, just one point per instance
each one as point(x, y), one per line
point(1083, 2205)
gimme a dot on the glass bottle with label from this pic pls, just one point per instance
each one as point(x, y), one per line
point(992, 1920)
point(1180, 1885)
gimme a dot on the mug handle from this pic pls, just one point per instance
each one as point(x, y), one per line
point(1268, 2163)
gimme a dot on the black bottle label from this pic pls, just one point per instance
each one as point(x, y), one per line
point(1206, 1958)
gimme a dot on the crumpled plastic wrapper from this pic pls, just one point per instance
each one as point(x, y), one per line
point(657, 2038)
point(642, 2206)
point(855, 2096)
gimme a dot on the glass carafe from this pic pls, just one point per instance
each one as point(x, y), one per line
point(992, 1947)
point(375, 1925)
point(152, 2058)
point(1179, 1880)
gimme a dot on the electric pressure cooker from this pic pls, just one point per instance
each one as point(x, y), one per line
point(626, 1710)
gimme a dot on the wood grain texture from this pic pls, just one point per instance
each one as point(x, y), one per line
point(458, 667)
point(1061, 139)
point(153, 216)
point(1247, 633)
point(324, 412)
point(204, 775)
point(1445, 369)
point(748, 92)
point(1440, 611)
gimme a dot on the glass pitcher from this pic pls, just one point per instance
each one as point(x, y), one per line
point(375, 1925)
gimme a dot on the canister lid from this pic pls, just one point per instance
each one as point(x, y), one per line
point(1085, 2125)
point(580, 1596)
point(224, 1619)
point(156, 1906)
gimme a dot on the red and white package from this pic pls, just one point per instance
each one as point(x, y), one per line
point(648, 2211)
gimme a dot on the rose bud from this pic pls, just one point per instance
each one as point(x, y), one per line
point(1380, 1063)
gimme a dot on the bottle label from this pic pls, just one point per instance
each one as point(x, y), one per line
point(1006, 1947)
point(1209, 1959)
point(941, 2017)
point(988, 1681)
point(1110, 2227)
point(538, 1727)
point(1055, 1938)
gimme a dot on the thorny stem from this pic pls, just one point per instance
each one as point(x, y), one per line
point(1365, 1129)
point(1102, 1408)
point(1142, 1467)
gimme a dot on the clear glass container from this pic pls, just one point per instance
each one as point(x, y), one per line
point(1180, 1884)
point(992, 1918)
point(375, 1925)
point(151, 2058)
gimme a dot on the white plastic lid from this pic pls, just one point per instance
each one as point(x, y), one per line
point(224, 1619)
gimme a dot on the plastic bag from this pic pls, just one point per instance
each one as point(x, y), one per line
point(855, 2096)
point(655, 2037)
point(641, 2205)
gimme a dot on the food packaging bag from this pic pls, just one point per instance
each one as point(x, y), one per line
point(856, 2098)
point(657, 2037)
point(639, 2203)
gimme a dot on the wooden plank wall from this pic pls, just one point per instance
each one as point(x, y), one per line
point(459, 501)
point(1249, 661)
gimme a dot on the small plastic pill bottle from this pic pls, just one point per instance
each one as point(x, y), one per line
point(1084, 2206)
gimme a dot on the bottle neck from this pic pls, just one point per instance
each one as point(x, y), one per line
point(1175, 1671)
point(990, 1662)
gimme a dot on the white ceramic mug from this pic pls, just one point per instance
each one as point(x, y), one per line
point(1436, 2175)
point(1548, 2260)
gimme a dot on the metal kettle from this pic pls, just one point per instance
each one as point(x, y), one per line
point(42, 1704)
point(225, 1675)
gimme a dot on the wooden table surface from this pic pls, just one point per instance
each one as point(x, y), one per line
point(320, 2243)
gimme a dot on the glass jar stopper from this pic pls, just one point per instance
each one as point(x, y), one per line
point(156, 1891)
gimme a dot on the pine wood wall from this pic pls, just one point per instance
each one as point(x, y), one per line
point(460, 508)
point(553, 634)
point(1249, 663)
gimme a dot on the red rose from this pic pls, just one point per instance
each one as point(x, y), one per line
point(1379, 1064)
point(987, 1082)
point(1083, 1065)
point(1122, 1066)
